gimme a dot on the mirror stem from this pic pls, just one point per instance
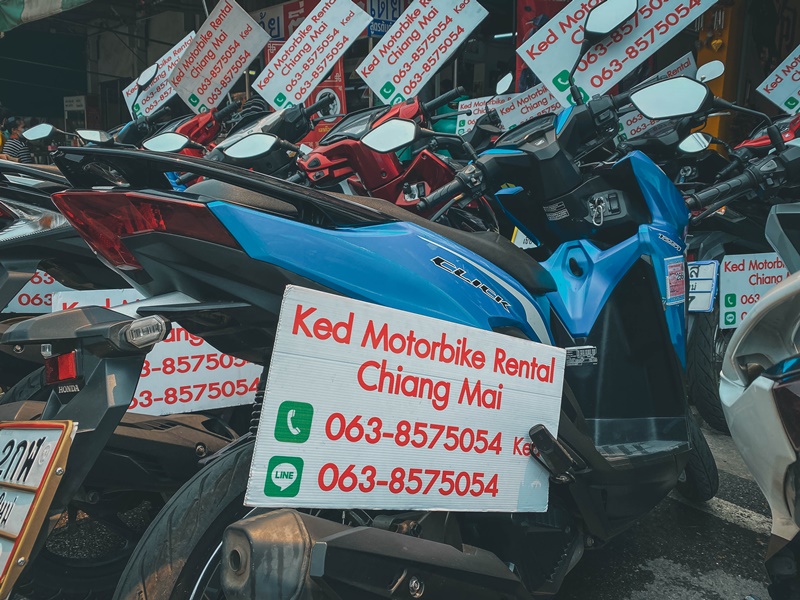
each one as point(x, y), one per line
point(772, 131)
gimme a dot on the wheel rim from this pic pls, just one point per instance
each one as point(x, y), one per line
point(208, 586)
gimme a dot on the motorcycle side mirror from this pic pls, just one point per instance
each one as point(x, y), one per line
point(504, 85)
point(166, 142)
point(604, 18)
point(670, 98)
point(253, 146)
point(710, 71)
point(391, 135)
point(39, 132)
point(601, 22)
point(147, 76)
point(697, 142)
point(94, 136)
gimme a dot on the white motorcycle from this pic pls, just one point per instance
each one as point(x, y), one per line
point(760, 393)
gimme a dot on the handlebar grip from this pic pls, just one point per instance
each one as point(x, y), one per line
point(326, 100)
point(186, 178)
point(161, 112)
point(714, 193)
point(445, 98)
point(442, 195)
point(224, 113)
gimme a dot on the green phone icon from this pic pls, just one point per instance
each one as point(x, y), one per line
point(791, 103)
point(293, 423)
point(284, 474)
point(730, 318)
point(194, 100)
point(584, 96)
point(398, 99)
point(280, 99)
point(387, 89)
point(203, 108)
point(730, 300)
point(561, 81)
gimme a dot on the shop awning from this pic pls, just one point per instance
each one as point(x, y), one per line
point(16, 12)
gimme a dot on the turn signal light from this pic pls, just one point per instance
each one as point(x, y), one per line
point(63, 367)
point(147, 331)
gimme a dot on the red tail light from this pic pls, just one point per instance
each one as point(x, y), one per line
point(63, 367)
point(105, 218)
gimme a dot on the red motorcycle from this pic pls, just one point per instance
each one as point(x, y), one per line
point(342, 161)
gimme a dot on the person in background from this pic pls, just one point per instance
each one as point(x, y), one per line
point(15, 147)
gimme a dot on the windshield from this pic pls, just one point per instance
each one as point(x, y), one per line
point(353, 126)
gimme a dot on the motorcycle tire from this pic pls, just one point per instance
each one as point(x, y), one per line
point(700, 479)
point(172, 555)
point(30, 387)
point(704, 354)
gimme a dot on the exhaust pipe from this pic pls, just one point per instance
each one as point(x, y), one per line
point(284, 554)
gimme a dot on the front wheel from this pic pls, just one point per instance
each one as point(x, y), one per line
point(177, 556)
point(700, 478)
point(704, 356)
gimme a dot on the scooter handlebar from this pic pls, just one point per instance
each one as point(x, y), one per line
point(326, 100)
point(445, 98)
point(223, 114)
point(442, 195)
point(715, 193)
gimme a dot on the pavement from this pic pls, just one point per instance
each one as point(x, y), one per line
point(683, 550)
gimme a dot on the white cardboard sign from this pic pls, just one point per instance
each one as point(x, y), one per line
point(635, 123)
point(528, 104)
point(782, 87)
point(373, 407)
point(426, 35)
point(743, 281)
point(181, 374)
point(36, 296)
point(552, 50)
point(227, 42)
point(466, 123)
point(305, 60)
point(160, 91)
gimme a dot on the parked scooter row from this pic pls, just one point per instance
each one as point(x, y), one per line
point(611, 279)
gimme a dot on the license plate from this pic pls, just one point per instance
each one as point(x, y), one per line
point(33, 457)
point(702, 285)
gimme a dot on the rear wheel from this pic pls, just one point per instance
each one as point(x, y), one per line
point(700, 478)
point(177, 558)
point(704, 356)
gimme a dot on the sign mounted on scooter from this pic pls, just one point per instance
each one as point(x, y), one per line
point(306, 58)
point(551, 50)
point(743, 281)
point(374, 407)
point(526, 105)
point(146, 102)
point(227, 42)
point(782, 87)
point(466, 123)
point(425, 36)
